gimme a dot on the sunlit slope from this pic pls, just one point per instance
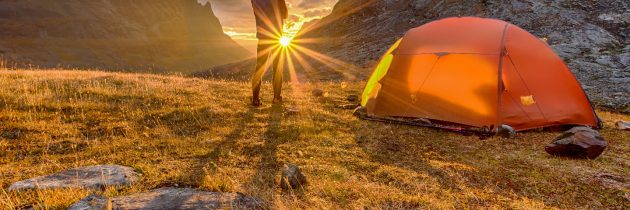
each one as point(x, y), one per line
point(139, 35)
point(202, 134)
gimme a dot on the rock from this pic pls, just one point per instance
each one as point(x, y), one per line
point(173, 198)
point(578, 142)
point(506, 131)
point(292, 177)
point(353, 98)
point(291, 111)
point(92, 202)
point(421, 121)
point(622, 125)
point(347, 106)
point(84, 177)
point(319, 93)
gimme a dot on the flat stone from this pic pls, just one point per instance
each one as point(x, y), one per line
point(172, 198)
point(83, 177)
point(623, 125)
point(347, 106)
point(291, 111)
point(612, 181)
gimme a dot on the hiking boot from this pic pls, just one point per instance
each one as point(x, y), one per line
point(277, 100)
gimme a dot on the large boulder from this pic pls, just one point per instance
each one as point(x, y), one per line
point(171, 198)
point(83, 177)
point(292, 177)
point(578, 142)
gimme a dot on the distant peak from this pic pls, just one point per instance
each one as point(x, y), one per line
point(203, 2)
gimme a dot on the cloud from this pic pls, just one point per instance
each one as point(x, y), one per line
point(317, 12)
point(310, 4)
point(237, 17)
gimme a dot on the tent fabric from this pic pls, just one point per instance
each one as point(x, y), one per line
point(379, 72)
point(476, 72)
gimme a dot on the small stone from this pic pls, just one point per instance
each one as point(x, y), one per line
point(423, 121)
point(506, 131)
point(623, 125)
point(353, 98)
point(347, 106)
point(292, 177)
point(291, 111)
point(344, 85)
point(172, 198)
point(319, 93)
point(300, 154)
point(84, 177)
point(578, 142)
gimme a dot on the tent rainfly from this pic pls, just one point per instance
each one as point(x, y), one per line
point(477, 73)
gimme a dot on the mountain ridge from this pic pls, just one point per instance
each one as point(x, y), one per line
point(160, 35)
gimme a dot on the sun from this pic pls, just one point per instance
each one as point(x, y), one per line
point(285, 41)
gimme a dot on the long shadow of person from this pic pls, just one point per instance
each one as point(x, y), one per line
point(194, 174)
point(276, 134)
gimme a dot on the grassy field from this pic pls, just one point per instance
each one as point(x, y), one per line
point(201, 133)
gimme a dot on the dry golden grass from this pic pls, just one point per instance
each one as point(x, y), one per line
point(200, 133)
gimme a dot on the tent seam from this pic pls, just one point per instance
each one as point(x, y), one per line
point(427, 77)
point(527, 87)
point(502, 52)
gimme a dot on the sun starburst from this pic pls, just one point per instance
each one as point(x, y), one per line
point(291, 50)
point(285, 41)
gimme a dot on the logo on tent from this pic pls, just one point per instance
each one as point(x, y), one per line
point(528, 100)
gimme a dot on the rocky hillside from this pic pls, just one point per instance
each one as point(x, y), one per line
point(159, 35)
point(592, 36)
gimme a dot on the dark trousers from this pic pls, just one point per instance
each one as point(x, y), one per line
point(267, 49)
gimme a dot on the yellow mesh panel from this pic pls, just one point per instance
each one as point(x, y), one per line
point(379, 73)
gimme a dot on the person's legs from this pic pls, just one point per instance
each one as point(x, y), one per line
point(261, 66)
point(277, 76)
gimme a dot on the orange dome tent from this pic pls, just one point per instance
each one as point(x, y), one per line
point(476, 73)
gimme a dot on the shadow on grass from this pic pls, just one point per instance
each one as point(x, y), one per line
point(276, 134)
point(256, 146)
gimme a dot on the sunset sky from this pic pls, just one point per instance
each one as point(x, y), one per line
point(237, 18)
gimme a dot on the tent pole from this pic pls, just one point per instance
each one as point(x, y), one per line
point(502, 53)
